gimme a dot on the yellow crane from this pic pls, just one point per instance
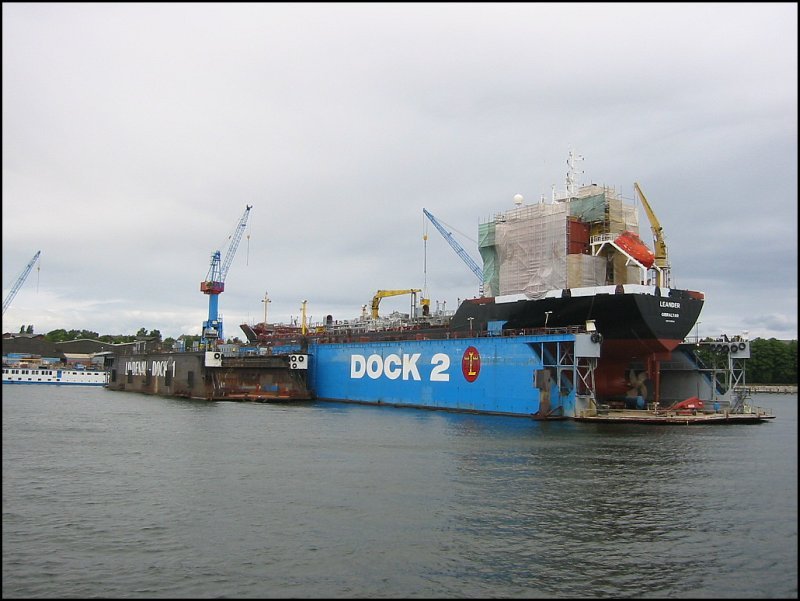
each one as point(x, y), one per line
point(660, 251)
point(376, 300)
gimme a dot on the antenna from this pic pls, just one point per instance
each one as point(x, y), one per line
point(571, 172)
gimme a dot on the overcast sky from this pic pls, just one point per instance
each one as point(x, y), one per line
point(134, 136)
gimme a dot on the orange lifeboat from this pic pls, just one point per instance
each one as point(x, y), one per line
point(633, 245)
point(688, 406)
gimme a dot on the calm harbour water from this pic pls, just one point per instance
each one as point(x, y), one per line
point(114, 494)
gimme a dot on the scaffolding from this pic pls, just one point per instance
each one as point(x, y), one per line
point(528, 250)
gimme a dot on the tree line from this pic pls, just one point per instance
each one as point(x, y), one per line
point(772, 362)
point(169, 343)
point(62, 335)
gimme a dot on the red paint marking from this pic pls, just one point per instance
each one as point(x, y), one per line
point(471, 364)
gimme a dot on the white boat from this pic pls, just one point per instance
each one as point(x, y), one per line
point(47, 375)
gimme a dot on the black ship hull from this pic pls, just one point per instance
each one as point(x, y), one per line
point(633, 320)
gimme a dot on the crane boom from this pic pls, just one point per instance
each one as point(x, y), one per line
point(376, 300)
point(457, 247)
point(214, 284)
point(20, 281)
point(237, 237)
point(660, 246)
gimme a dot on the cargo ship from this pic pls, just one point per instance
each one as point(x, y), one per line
point(553, 273)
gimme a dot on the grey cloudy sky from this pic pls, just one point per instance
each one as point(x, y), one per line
point(134, 135)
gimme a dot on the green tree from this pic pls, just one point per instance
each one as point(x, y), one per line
point(59, 335)
point(188, 340)
point(772, 362)
point(792, 369)
point(759, 367)
point(786, 363)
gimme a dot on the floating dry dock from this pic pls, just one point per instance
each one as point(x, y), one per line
point(205, 375)
point(542, 376)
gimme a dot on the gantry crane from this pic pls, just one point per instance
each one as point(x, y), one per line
point(457, 247)
point(20, 281)
point(661, 261)
point(214, 283)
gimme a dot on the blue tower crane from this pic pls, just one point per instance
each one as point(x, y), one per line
point(214, 283)
point(20, 281)
point(457, 247)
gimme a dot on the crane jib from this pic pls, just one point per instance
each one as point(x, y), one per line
point(20, 281)
point(471, 263)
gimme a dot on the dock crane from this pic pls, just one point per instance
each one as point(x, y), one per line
point(457, 247)
point(20, 281)
point(376, 300)
point(214, 283)
point(660, 246)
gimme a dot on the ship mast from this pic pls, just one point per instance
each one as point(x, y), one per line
point(572, 172)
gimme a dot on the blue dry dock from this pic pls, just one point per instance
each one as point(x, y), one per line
point(546, 375)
